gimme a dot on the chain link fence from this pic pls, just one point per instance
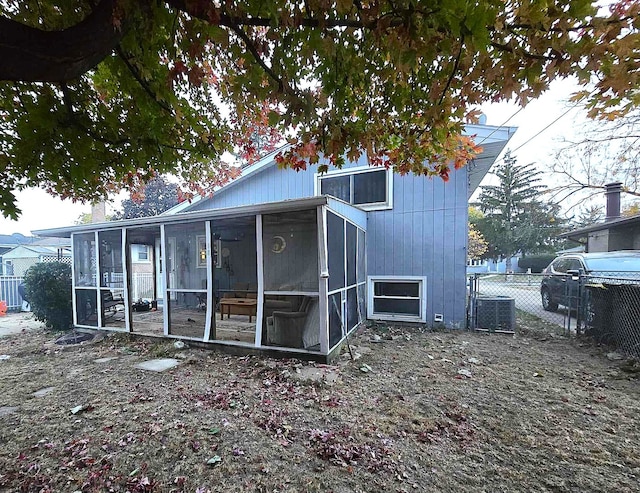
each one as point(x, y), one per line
point(611, 311)
point(605, 307)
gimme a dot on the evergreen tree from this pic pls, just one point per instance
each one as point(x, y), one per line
point(516, 220)
point(154, 198)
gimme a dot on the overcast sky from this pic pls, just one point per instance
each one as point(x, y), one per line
point(541, 127)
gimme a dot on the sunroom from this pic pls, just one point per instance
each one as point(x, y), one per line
point(285, 277)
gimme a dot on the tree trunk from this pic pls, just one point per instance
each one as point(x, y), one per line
point(30, 54)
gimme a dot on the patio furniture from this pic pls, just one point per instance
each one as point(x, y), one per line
point(110, 304)
point(286, 328)
point(238, 306)
point(240, 290)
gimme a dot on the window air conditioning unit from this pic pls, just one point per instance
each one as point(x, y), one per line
point(495, 313)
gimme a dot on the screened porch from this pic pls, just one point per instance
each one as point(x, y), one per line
point(286, 276)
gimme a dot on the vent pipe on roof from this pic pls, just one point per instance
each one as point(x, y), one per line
point(612, 192)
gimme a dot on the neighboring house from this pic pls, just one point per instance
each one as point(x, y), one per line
point(19, 259)
point(492, 265)
point(8, 242)
point(616, 233)
point(309, 256)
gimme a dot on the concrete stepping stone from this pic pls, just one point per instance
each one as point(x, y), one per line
point(43, 392)
point(105, 360)
point(314, 374)
point(158, 365)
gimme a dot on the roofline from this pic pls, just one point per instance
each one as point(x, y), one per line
point(496, 133)
point(245, 173)
point(624, 221)
point(264, 208)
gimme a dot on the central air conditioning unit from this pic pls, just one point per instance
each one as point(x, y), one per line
point(495, 313)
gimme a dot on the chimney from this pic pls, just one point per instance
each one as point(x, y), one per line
point(612, 192)
point(98, 212)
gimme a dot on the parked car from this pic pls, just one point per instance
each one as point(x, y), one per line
point(561, 277)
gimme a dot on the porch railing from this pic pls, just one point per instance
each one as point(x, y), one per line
point(141, 284)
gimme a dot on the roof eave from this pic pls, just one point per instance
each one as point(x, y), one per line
point(265, 208)
point(577, 233)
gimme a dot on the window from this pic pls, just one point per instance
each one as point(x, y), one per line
point(397, 298)
point(140, 253)
point(201, 260)
point(476, 262)
point(369, 188)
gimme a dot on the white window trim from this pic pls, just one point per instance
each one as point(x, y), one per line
point(135, 254)
point(422, 291)
point(379, 206)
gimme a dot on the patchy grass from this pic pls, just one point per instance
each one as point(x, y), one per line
point(534, 415)
point(533, 326)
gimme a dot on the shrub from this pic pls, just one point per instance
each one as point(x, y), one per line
point(48, 291)
point(535, 262)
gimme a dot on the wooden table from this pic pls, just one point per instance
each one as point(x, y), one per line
point(238, 306)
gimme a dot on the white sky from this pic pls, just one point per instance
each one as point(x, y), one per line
point(533, 142)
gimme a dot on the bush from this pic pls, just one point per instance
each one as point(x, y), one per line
point(48, 291)
point(535, 262)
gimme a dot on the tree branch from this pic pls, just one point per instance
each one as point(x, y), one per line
point(283, 87)
point(143, 83)
point(73, 119)
point(30, 54)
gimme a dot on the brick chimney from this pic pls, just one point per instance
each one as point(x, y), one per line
point(612, 192)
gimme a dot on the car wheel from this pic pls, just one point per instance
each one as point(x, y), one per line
point(547, 303)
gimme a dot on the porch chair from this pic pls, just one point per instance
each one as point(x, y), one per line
point(110, 304)
point(286, 328)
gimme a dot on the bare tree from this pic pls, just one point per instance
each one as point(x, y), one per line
point(606, 152)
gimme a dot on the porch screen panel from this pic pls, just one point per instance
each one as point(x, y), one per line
point(360, 260)
point(352, 234)
point(335, 319)
point(352, 309)
point(87, 307)
point(187, 312)
point(84, 259)
point(111, 277)
point(335, 251)
point(185, 245)
point(234, 259)
point(362, 302)
point(290, 246)
point(185, 259)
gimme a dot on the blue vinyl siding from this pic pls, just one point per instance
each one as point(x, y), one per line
point(424, 234)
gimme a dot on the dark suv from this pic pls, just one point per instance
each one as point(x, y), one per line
point(560, 282)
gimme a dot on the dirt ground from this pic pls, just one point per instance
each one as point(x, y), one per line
point(417, 411)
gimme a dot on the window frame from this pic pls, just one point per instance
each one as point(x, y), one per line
point(422, 290)
point(136, 258)
point(371, 206)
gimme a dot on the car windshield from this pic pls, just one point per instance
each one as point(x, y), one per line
point(614, 264)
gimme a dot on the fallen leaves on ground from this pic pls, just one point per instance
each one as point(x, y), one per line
point(444, 411)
